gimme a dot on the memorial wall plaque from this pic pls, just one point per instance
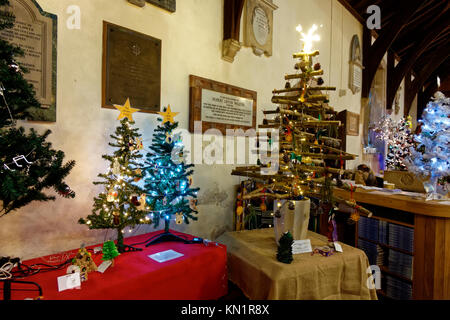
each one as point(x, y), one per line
point(35, 32)
point(131, 69)
point(169, 5)
point(258, 26)
point(221, 106)
point(356, 67)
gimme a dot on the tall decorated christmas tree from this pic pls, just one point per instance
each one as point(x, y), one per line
point(310, 153)
point(28, 164)
point(123, 203)
point(430, 160)
point(168, 181)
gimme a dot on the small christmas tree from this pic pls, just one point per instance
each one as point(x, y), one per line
point(84, 261)
point(284, 253)
point(109, 251)
point(123, 204)
point(168, 179)
point(430, 160)
point(399, 139)
point(28, 164)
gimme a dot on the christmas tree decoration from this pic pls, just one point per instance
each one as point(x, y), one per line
point(167, 180)
point(168, 116)
point(109, 251)
point(284, 253)
point(239, 209)
point(84, 261)
point(112, 195)
point(193, 204)
point(179, 218)
point(143, 206)
point(430, 159)
point(310, 152)
point(65, 191)
point(138, 173)
point(126, 111)
point(168, 138)
point(398, 138)
point(139, 144)
point(114, 209)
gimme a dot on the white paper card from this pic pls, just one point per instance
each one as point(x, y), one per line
point(97, 250)
point(69, 281)
point(301, 246)
point(105, 265)
point(338, 247)
point(164, 256)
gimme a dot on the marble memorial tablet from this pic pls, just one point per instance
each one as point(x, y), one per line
point(35, 33)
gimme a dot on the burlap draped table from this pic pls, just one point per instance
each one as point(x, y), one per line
point(253, 267)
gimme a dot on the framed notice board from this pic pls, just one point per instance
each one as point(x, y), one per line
point(131, 69)
point(221, 106)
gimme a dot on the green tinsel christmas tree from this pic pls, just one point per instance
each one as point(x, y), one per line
point(123, 204)
point(28, 164)
point(168, 179)
point(284, 253)
point(109, 251)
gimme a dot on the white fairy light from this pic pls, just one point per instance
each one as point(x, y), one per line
point(308, 38)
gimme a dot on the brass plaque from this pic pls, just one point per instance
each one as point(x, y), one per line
point(169, 5)
point(131, 69)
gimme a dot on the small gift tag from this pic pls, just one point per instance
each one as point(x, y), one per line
point(105, 265)
point(69, 281)
point(301, 246)
point(97, 250)
point(338, 247)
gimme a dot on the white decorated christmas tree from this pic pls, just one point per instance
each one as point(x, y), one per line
point(399, 139)
point(430, 159)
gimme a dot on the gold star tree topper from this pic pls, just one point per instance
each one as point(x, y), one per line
point(168, 115)
point(126, 111)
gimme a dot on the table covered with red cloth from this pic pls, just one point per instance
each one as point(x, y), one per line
point(200, 274)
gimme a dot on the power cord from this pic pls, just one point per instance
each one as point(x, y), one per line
point(23, 270)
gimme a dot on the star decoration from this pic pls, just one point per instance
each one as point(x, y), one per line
point(168, 115)
point(126, 111)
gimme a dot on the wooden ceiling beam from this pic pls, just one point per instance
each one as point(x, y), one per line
point(435, 60)
point(375, 53)
point(396, 74)
point(431, 10)
point(410, 31)
point(361, 6)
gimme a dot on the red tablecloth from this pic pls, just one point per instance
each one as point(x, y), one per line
point(200, 274)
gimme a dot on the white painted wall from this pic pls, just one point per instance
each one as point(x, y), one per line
point(191, 44)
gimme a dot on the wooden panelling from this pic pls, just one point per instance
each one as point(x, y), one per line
point(432, 258)
point(399, 202)
point(431, 264)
